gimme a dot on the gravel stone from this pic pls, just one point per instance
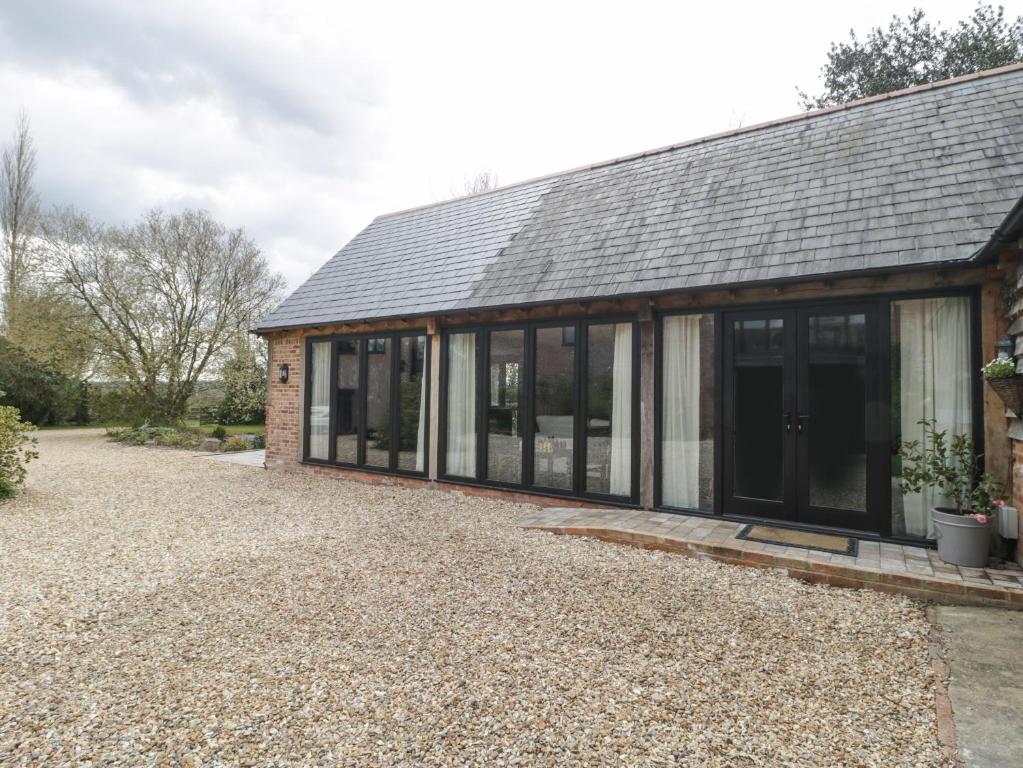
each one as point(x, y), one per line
point(158, 609)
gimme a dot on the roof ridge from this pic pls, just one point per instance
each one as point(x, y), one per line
point(985, 73)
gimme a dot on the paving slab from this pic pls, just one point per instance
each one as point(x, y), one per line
point(983, 653)
point(246, 458)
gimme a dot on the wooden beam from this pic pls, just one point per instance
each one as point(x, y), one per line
point(434, 416)
point(646, 312)
point(993, 324)
point(646, 413)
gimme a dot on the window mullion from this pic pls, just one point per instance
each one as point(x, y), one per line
point(332, 413)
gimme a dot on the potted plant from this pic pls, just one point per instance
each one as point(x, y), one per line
point(1001, 376)
point(951, 467)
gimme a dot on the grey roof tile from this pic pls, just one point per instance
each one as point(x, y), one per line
point(917, 178)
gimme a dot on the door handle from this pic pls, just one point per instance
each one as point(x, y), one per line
point(788, 421)
point(801, 422)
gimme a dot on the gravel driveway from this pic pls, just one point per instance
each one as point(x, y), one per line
point(160, 609)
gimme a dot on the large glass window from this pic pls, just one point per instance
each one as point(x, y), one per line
point(460, 458)
point(931, 380)
point(609, 406)
point(376, 409)
point(319, 401)
point(557, 401)
point(348, 402)
point(836, 371)
point(554, 408)
point(412, 404)
point(506, 356)
point(687, 408)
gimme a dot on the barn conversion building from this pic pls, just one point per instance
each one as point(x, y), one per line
point(745, 325)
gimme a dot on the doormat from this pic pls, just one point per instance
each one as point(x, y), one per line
point(789, 537)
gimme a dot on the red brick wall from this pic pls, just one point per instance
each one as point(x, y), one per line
point(284, 408)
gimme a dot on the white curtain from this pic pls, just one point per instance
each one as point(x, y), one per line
point(680, 467)
point(621, 412)
point(461, 405)
point(934, 359)
point(421, 434)
point(319, 405)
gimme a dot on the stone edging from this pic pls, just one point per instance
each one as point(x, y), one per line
point(816, 572)
point(947, 735)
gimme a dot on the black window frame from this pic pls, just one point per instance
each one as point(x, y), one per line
point(882, 301)
point(395, 399)
point(580, 328)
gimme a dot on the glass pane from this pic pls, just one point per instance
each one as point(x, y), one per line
point(555, 408)
point(837, 428)
point(460, 458)
point(758, 413)
point(759, 336)
point(609, 409)
point(931, 379)
point(687, 412)
point(319, 401)
point(412, 404)
point(378, 401)
point(504, 409)
point(348, 401)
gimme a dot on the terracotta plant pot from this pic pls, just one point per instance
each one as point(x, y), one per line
point(962, 540)
point(1010, 391)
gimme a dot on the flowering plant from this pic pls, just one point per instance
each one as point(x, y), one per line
point(999, 368)
point(953, 468)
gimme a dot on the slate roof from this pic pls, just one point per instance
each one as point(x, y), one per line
point(919, 177)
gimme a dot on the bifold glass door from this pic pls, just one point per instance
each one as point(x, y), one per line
point(801, 415)
point(545, 406)
point(374, 415)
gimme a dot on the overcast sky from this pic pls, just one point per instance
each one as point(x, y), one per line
point(301, 121)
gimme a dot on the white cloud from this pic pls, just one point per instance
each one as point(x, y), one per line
point(301, 121)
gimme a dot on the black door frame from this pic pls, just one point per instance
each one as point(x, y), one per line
point(361, 353)
point(580, 327)
point(884, 437)
point(784, 508)
point(867, 519)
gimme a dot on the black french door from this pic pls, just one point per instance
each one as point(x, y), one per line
point(801, 438)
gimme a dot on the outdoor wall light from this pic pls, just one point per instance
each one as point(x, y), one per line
point(282, 372)
point(1004, 347)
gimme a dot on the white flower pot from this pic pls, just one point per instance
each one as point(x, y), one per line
point(962, 540)
point(1008, 522)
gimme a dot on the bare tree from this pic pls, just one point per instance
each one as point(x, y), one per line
point(483, 181)
point(168, 296)
point(19, 215)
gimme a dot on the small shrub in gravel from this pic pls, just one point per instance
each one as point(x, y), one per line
point(171, 437)
point(218, 432)
point(16, 449)
point(236, 443)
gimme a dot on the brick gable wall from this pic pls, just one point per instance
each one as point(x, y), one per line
point(284, 405)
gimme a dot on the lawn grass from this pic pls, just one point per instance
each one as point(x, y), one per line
point(231, 429)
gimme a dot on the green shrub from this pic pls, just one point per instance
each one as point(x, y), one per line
point(244, 382)
point(259, 441)
point(16, 449)
point(42, 395)
point(236, 443)
point(183, 439)
point(218, 432)
point(172, 437)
